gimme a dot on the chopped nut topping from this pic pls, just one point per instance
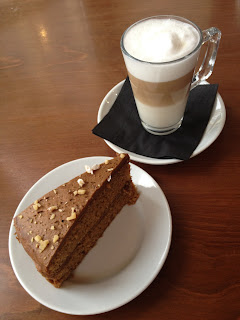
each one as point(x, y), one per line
point(81, 191)
point(30, 232)
point(73, 215)
point(106, 161)
point(43, 245)
point(88, 169)
point(52, 216)
point(52, 228)
point(40, 215)
point(95, 167)
point(122, 155)
point(32, 239)
point(37, 245)
point(75, 192)
point(55, 238)
point(52, 208)
point(80, 182)
point(63, 185)
point(66, 202)
point(60, 210)
point(31, 220)
point(111, 169)
point(44, 258)
point(35, 222)
point(36, 205)
point(20, 217)
point(52, 247)
point(38, 238)
point(109, 178)
point(55, 191)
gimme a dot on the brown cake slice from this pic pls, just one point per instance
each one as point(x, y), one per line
point(60, 228)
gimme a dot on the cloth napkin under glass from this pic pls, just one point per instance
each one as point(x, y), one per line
point(122, 125)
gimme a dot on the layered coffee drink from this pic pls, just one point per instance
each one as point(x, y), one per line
point(160, 54)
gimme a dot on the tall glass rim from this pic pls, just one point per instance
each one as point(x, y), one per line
point(163, 17)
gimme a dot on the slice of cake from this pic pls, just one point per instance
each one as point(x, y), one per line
point(60, 228)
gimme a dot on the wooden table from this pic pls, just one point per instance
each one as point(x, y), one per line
point(58, 59)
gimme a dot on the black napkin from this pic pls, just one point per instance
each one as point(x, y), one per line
point(122, 125)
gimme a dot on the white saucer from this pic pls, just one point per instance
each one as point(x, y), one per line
point(122, 264)
point(213, 129)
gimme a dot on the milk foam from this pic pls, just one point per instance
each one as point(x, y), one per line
point(161, 40)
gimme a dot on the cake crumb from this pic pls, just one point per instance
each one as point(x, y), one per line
point(55, 191)
point(20, 217)
point(52, 216)
point(52, 228)
point(111, 169)
point(122, 155)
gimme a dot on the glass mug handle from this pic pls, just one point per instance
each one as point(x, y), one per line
point(212, 36)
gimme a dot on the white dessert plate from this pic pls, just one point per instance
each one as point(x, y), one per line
point(123, 263)
point(213, 129)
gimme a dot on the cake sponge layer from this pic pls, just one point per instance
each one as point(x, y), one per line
point(128, 195)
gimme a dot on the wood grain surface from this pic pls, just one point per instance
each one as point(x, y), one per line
point(58, 59)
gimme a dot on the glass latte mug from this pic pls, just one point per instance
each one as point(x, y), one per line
point(161, 54)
